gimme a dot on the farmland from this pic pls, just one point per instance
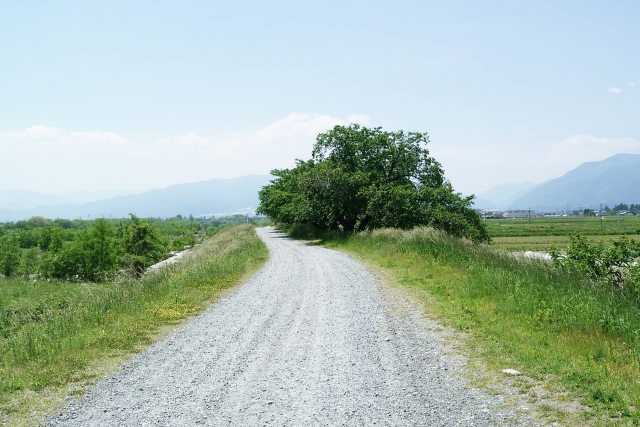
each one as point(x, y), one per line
point(541, 234)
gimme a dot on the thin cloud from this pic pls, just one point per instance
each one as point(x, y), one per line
point(361, 119)
point(578, 149)
point(92, 160)
point(633, 84)
point(33, 132)
point(189, 139)
point(41, 133)
point(615, 90)
point(98, 136)
point(281, 142)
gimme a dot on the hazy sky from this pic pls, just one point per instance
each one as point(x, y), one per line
point(134, 95)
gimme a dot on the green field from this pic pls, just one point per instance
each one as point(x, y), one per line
point(57, 336)
point(541, 234)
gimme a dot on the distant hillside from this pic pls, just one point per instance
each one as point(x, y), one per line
point(18, 200)
point(480, 203)
point(21, 200)
point(610, 181)
point(215, 196)
point(502, 196)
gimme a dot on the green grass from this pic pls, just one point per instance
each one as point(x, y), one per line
point(561, 330)
point(546, 243)
point(54, 335)
point(543, 234)
point(611, 225)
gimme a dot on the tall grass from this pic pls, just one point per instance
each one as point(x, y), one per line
point(51, 332)
point(559, 328)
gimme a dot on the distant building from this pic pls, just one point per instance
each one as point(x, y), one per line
point(484, 214)
point(519, 213)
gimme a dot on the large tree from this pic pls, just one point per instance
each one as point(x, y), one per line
point(360, 179)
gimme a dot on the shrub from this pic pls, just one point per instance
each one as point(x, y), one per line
point(613, 264)
point(141, 245)
point(9, 255)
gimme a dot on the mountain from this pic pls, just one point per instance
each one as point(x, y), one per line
point(24, 200)
point(502, 196)
point(607, 182)
point(480, 203)
point(19, 200)
point(215, 196)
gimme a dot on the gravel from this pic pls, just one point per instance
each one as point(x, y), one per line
point(312, 339)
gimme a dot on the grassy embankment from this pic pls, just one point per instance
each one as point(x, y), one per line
point(564, 332)
point(541, 234)
point(57, 336)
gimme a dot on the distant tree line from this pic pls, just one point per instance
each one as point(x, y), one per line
point(619, 208)
point(362, 179)
point(623, 207)
point(93, 250)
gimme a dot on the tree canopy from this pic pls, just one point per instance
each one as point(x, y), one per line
point(361, 179)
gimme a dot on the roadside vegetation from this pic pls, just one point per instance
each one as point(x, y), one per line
point(56, 335)
point(564, 327)
point(97, 250)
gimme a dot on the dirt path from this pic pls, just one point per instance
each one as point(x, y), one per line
point(312, 338)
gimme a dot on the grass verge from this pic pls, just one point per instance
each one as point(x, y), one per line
point(569, 336)
point(56, 337)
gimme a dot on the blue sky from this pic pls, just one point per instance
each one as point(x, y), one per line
point(137, 95)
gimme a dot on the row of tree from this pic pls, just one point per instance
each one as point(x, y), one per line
point(93, 253)
point(617, 209)
point(94, 249)
point(361, 179)
point(633, 208)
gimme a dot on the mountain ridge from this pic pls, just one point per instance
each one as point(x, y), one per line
point(202, 198)
point(613, 180)
point(610, 181)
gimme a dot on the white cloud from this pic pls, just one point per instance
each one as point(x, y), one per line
point(33, 132)
point(361, 119)
point(191, 139)
point(295, 130)
point(41, 133)
point(98, 136)
point(279, 143)
point(633, 84)
point(615, 90)
point(69, 161)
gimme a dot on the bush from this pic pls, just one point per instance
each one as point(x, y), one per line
point(613, 264)
point(141, 244)
point(9, 255)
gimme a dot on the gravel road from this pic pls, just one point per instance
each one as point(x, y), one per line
point(311, 339)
